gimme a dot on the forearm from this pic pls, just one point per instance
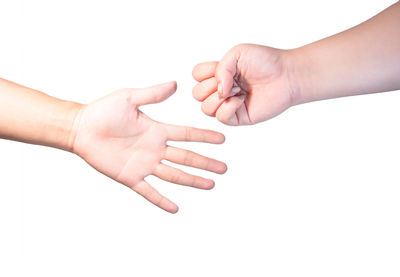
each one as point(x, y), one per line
point(33, 117)
point(361, 60)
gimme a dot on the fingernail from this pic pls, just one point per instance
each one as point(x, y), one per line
point(235, 90)
point(220, 90)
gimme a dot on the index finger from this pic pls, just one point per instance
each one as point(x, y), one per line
point(204, 71)
point(183, 133)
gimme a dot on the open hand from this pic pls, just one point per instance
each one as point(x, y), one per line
point(120, 141)
point(249, 85)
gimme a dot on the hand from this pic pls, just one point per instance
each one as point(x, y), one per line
point(120, 141)
point(249, 85)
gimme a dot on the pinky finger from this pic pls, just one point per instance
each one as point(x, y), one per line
point(151, 194)
point(226, 113)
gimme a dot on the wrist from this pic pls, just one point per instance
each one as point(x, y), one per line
point(49, 122)
point(299, 74)
point(75, 115)
point(61, 129)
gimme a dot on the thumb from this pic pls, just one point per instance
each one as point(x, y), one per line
point(225, 72)
point(154, 94)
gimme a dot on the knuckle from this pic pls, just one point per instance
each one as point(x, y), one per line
point(176, 178)
point(196, 92)
point(226, 119)
point(133, 187)
point(222, 116)
point(188, 157)
point(188, 133)
point(195, 70)
point(206, 109)
point(239, 47)
point(207, 163)
point(192, 182)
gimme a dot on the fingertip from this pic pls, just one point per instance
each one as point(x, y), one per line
point(173, 209)
point(167, 205)
point(223, 169)
point(198, 92)
point(154, 94)
point(228, 123)
point(195, 72)
point(222, 138)
point(216, 138)
point(169, 89)
point(206, 109)
point(194, 92)
point(170, 86)
point(227, 111)
point(204, 71)
point(219, 138)
point(173, 84)
point(202, 90)
point(220, 116)
point(223, 118)
point(210, 184)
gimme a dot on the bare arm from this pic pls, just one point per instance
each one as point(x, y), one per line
point(31, 116)
point(363, 59)
point(253, 83)
point(111, 134)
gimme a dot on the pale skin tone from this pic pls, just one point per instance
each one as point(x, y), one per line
point(111, 134)
point(253, 83)
point(250, 84)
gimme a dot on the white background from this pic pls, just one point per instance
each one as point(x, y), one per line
point(313, 192)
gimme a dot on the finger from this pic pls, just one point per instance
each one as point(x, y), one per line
point(176, 176)
point(204, 71)
point(204, 89)
point(154, 94)
point(183, 133)
point(189, 158)
point(152, 195)
point(226, 70)
point(211, 104)
point(243, 115)
point(227, 112)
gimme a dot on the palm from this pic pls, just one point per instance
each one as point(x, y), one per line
point(121, 137)
point(117, 139)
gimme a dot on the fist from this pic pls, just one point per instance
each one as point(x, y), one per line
point(250, 84)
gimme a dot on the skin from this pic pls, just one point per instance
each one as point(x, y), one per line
point(364, 59)
point(111, 134)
